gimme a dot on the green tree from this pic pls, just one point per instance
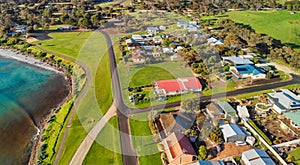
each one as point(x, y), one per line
point(202, 153)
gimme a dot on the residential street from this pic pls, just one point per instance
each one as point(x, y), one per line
point(128, 152)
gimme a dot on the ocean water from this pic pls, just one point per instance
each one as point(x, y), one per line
point(27, 93)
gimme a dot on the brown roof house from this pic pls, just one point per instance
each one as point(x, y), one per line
point(176, 122)
point(178, 149)
point(138, 58)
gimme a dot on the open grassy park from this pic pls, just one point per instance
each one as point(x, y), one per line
point(90, 49)
point(72, 42)
point(143, 140)
point(107, 148)
point(278, 24)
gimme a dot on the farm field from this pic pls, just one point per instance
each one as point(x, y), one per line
point(277, 24)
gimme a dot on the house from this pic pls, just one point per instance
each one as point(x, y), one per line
point(256, 156)
point(211, 40)
point(294, 118)
point(246, 71)
point(178, 149)
point(137, 38)
point(174, 57)
point(236, 60)
point(176, 87)
point(167, 50)
point(156, 54)
point(157, 39)
point(243, 111)
point(138, 58)
point(176, 122)
point(152, 30)
point(205, 162)
point(219, 42)
point(133, 46)
point(283, 101)
point(20, 28)
point(230, 113)
point(214, 111)
point(232, 133)
point(190, 26)
point(162, 27)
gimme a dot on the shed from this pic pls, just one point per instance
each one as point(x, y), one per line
point(232, 133)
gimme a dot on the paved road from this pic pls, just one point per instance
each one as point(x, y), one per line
point(88, 141)
point(128, 152)
point(295, 80)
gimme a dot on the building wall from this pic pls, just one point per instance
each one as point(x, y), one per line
point(235, 138)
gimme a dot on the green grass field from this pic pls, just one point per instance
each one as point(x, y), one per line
point(296, 155)
point(137, 75)
point(143, 140)
point(67, 43)
point(145, 76)
point(85, 47)
point(274, 23)
point(107, 148)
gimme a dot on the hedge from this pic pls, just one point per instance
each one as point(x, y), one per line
point(260, 132)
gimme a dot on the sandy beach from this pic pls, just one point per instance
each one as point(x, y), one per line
point(6, 53)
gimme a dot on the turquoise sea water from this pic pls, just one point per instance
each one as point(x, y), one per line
point(26, 94)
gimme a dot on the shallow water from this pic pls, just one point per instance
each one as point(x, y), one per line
point(26, 94)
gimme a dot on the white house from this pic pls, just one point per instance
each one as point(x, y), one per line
point(152, 30)
point(167, 50)
point(246, 71)
point(283, 101)
point(243, 112)
point(256, 157)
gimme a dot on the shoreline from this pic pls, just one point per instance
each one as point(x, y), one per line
point(10, 54)
point(42, 124)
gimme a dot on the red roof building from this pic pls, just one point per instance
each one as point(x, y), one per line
point(179, 86)
point(178, 149)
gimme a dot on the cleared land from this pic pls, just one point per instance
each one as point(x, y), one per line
point(143, 140)
point(278, 24)
point(106, 150)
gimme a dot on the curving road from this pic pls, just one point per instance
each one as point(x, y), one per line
point(124, 112)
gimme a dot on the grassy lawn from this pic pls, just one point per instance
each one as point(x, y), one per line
point(143, 141)
point(106, 149)
point(72, 42)
point(273, 23)
point(230, 86)
point(98, 98)
point(147, 75)
point(137, 75)
point(296, 155)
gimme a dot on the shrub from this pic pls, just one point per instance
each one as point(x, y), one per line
point(259, 131)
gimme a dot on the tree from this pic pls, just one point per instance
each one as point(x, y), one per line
point(226, 68)
point(202, 153)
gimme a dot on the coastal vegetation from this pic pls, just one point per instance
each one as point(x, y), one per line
point(51, 135)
